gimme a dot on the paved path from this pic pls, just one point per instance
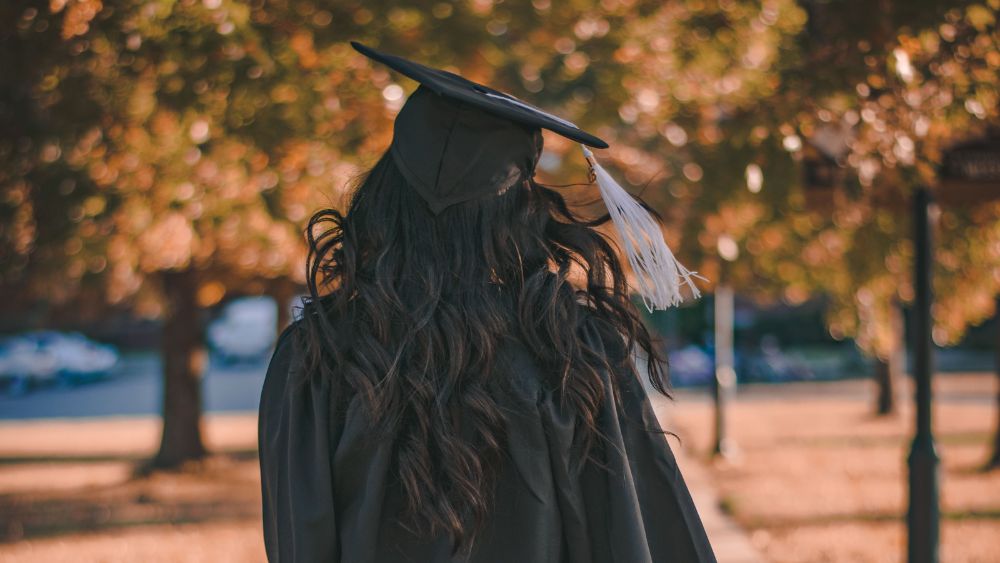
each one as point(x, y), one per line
point(135, 389)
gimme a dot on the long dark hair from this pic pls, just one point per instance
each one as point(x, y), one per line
point(408, 310)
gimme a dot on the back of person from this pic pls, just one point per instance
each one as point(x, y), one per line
point(547, 507)
point(462, 384)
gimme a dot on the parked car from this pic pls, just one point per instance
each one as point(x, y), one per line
point(245, 331)
point(40, 358)
point(690, 365)
point(771, 364)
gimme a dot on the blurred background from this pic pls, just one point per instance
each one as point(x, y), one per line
point(159, 160)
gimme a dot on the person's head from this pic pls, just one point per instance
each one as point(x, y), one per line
point(448, 251)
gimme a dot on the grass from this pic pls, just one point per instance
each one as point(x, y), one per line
point(69, 491)
point(818, 477)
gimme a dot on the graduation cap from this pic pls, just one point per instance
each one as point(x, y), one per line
point(455, 140)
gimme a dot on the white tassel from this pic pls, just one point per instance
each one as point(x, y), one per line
point(658, 274)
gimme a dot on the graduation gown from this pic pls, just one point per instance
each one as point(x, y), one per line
point(328, 495)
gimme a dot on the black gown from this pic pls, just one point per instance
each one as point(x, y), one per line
point(328, 495)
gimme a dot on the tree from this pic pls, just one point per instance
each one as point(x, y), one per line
point(166, 154)
point(163, 155)
point(874, 100)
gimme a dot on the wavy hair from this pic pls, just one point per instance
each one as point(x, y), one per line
point(408, 310)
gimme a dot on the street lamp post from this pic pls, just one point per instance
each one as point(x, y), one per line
point(970, 175)
point(923, 513)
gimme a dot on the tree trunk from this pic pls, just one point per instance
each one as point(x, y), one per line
point(184, 358)
point(994, 462)
point(888, 371)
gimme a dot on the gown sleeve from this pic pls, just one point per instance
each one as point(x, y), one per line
point(670, 517)
point(295, 434)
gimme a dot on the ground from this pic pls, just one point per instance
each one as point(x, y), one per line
point(817, 478)
point(69, 492)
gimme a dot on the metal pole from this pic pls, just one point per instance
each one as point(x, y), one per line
point(923, 515)
point(725, 374)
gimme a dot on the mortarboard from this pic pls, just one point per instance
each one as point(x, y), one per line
point(455, 140)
